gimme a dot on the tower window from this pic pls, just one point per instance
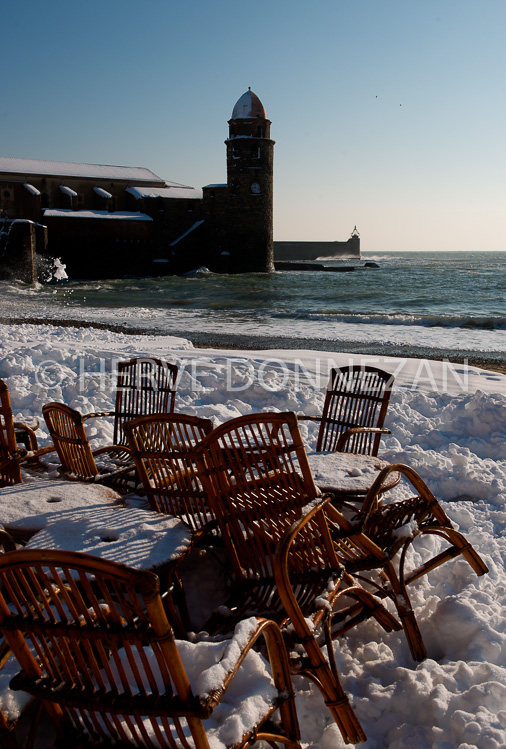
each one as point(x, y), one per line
point(256, 152)
point(260, 131)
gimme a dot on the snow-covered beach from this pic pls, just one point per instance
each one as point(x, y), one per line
point(447, 421)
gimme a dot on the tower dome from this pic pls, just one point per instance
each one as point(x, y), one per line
point(249, 105)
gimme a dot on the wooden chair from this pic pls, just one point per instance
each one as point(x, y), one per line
point(11, 455)
point(77, 460)
point(379, 536)
point(9, 717)
point(23, 433)
point(94, 644)
point(354, 410)
point(164, 448)
point(10, 472)
point(144, 386)
point(257, 477)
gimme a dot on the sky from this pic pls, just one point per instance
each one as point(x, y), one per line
point(388, 115)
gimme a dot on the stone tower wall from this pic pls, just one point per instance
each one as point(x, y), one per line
point(250, 163)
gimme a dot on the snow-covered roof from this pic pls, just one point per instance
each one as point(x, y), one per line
point(249, 105)
point(172, 190)
point(68, 169)
point(68, 213)
point(223, 184)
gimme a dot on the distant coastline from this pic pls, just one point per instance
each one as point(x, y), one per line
point(492, 361)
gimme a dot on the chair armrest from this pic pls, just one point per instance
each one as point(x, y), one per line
point(6, 541)
point(22, 456)
point(22, 430)
point(31, 454)
point(22, 425)
point(246, 634)
point(98, 414)
point(370, 501)
point(13, 457)
point(343, 439)
point(303, 417)
point(112, 449)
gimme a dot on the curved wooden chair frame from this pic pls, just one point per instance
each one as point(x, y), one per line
point(380, 535)
point(258, 479)
point(11, 455)
point(95, 645)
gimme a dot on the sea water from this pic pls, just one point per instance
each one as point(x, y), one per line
point(421, 304)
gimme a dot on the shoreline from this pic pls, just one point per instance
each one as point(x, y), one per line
point(492, 361)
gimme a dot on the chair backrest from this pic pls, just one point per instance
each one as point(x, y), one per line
point(144, 386)
point(356, 396)
point(257, 476)
point(164, 448)
point(93, 638)
point(10, 472)
point(66, 429)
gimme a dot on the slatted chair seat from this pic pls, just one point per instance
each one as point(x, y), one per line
point(354, 410)
point(259, 483)
point(95, 645)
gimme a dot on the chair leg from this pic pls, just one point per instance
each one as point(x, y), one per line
point(174, 601)
point(32, 736)
point(405, 611)
point(325, 676)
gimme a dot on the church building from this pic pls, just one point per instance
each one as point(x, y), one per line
point(115, 221)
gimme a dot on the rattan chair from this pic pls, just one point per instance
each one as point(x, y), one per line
point(164, 449)
point(379, 536)
point(24, 434)
point(11, 455)
point(257, 477)
point(354, 410)
point(10, 715)
point(94, 643)
point(10, 472)
point(77, 460)
point(144, 386)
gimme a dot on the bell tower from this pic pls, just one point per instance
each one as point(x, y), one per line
point(250, 158)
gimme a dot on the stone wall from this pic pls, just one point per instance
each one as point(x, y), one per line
point(315, 250)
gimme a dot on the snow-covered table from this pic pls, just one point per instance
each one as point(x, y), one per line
point(348, 473)
point(140, 538)
point(24, 508)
